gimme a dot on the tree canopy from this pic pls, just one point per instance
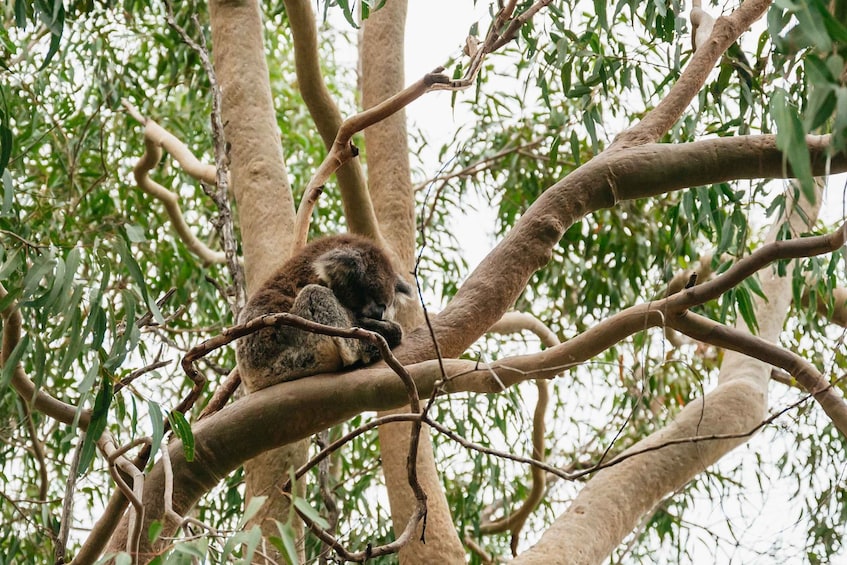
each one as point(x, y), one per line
point(668, 268)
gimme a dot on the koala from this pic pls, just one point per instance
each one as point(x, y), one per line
point(342, 281)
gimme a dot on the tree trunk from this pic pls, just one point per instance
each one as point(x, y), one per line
point(265, 206)
point(389, 180)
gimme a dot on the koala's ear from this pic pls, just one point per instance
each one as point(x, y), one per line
point(337, 265)
point(402, 288)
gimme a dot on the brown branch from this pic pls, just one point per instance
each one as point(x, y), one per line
point(119, 464)
point(222, 394)
point(343, 150)
point(127, 380)
point(502, 30)
point(704, 329)
point(725, 32)
point(35, 397)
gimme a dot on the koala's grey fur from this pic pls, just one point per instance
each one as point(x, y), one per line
point(341, 281)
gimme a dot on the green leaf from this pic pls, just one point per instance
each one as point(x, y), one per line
point(135, 272)
point(746, 309)
point(87, 383)
point(285, 543)
point(304, 507)
point(348, 13)
point(154, 531)
point(791, 140)
point(196, 549)
point(6, 137)
point(250, 539)
point(12, 262)
point(99, 419)
point(55, 21)
point(753, 284)
point(157, 422)
point(251, 510)
point(13, 360)
point(182, 430)
point(135, 233)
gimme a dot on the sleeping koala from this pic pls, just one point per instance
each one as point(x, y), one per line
point(342, 281)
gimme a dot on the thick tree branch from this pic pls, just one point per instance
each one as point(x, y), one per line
point(636, 172)
point(358, 209)
point(343, 150)
point(259, 176)
point(225, 439)
point(724, 33)
point(708, 331)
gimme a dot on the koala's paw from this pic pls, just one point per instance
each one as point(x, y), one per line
point(391, 331)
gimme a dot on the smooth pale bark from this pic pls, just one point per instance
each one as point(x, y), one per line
point(265, 205)
point(259, 177)
point(616, 499)
point(389, 181)
point(358, 208)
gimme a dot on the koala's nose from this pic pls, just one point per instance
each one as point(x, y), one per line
point(376, 311)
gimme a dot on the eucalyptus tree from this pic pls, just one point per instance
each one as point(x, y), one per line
point(159, 162)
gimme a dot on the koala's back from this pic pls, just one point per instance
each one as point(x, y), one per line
point(282, 353)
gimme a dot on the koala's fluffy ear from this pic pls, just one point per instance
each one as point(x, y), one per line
point(340, 264)
point(402, 288)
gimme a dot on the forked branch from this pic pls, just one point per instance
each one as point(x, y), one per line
point(503, 29)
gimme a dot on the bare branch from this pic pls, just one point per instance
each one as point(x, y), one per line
point(502, 30)
point(358, 208)
point(155, 138)
point(343, 150)
point(703, 329)
point(724, 33)
point(222, 394)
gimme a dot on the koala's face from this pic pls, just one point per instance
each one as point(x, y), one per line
point(362, 279)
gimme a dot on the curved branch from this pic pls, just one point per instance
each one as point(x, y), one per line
point(358, 208)
point(513, 322)
point(155, 138)
point(724, 33)
point(636, 172)
point(503, 30)
point(226, 439)
point(343, 150)
point(701, 328)
point(23, 385)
